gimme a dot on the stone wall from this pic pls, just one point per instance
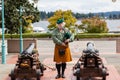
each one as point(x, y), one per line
point(14, 44)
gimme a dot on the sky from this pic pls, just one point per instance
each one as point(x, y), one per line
point(81, 6)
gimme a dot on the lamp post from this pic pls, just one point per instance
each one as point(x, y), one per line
point(21, 39)
point(3, 43)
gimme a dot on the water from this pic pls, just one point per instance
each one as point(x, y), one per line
point(113, 25)
point(42, 24)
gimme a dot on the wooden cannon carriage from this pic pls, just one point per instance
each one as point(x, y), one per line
point(90, 65)
point(28, 65)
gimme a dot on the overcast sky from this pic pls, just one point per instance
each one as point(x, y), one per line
point(81, 6)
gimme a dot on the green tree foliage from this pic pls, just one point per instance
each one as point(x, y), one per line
point(110, 16)
point(93, 25)
point(44, 15)
point(12, 14)
point(90, 15)
point(27, 21)
point(80, 15)
point(68, 18)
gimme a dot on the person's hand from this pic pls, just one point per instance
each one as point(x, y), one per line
point(67, 40)
point(63, 44)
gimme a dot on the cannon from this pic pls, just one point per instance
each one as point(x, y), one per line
point(28, 65)
point(90, 65)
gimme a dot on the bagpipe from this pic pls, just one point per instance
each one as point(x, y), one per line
point(67, 35)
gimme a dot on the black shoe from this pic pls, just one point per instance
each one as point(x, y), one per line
point(58, 76)
point(63, 76)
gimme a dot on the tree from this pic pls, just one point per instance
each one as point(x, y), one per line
point(27, 20)
point(43, 15)
point(119, 16)
point(68, 18)
point(49, 14)
point(90, 15)
point(93, 25)
point(77, 15)
point(114, 16)
point(12, 15)
point(102, 15)
point(110, 16)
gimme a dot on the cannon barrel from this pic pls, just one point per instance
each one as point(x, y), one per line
point(90, 50)
point(29, 49)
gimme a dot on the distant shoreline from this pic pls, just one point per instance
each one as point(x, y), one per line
point(113, 24)
point(81, 19)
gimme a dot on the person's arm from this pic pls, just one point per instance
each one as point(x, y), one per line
point(54, 37)
point(72, 37)
point(56, 40)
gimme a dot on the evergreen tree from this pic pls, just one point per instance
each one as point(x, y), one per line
point(102, 15)
point(110, 16)
point(90, 15)
point(114, 16)
point(119, 16)
point(43, 15)
point(12, 14)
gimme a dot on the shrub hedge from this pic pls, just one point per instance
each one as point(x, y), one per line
point(30, 35)
point(96, 35)
point(78, 36)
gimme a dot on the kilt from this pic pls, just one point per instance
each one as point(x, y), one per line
point(66, 57)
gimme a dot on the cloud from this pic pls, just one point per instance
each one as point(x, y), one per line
point(83, 6)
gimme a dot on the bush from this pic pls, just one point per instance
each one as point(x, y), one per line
point(96, 35)
point(93, 25)
point(78, 36)
point(28, 35)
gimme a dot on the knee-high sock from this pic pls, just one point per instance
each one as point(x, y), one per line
point(58, 66)
point(63, 68)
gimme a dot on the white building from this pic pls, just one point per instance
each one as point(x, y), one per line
point(39, 29)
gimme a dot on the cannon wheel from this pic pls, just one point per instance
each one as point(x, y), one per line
point(38, 77)
point(12, 75)
point(42, 69)
point(104, 78)
point(104, 74)
point(77, 78)
point(12, 78)
point(38, 74)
